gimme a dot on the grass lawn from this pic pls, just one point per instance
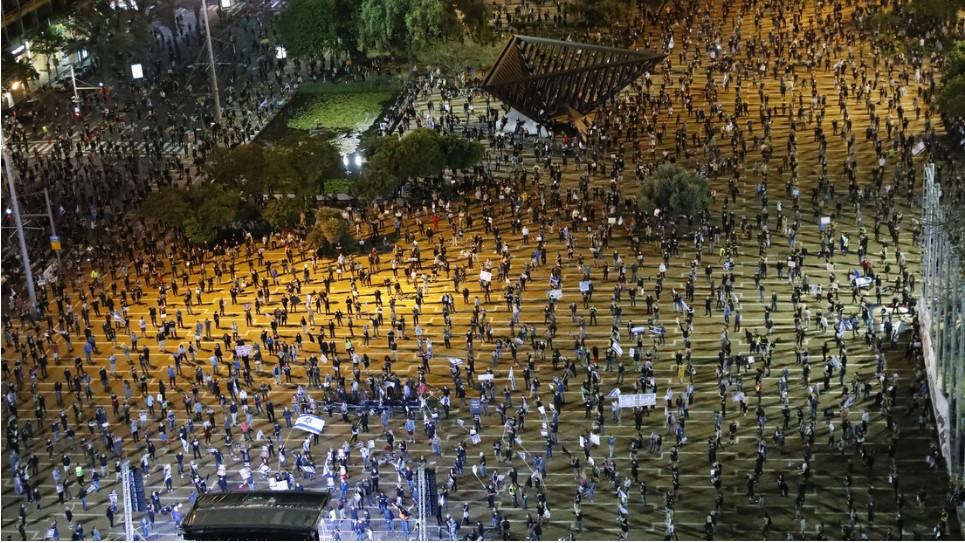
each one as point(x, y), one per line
point(346, 107)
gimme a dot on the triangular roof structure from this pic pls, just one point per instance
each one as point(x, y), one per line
point(554, 80)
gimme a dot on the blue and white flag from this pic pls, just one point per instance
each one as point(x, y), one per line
point(310, 423)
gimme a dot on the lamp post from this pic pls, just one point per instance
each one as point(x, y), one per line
point(15, 205)
point(214, 75)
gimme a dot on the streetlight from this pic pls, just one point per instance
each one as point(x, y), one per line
point(15, 203)
point(214, 75)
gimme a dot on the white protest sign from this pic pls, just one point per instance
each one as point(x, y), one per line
point(485, 276)
point(555, 294)
point(638, 400)
point(584, 286)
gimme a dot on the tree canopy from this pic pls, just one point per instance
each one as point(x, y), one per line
point(419, 153)
point(309, 28)
point(295, 165)
point(953, 83)
point(200, 212)
point(674, 192)
point(597, 13)
point(950, 99)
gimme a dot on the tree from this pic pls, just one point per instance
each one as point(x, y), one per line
point(200, 212)
point(283, 213)
point(295, 165)
point(18, 69)
point(476, 17)
point(332, 232)
point(309, 28)
point(674, 192)
point(950, 99)
point(49, 43)
point(454, 57)
point(382, 26)
point(420, 153)
point(955, 61)
point(461, 153)
point(597, 13)
point(430, 21)
point(929, 15)
point(393, 26)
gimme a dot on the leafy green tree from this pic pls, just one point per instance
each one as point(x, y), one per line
point(50, 43)
point(295, 165)
point(283, 213)
point(308, 162)
point(18, 69)
point(955, 61)
point(600, 13)
point(421, 153)
point(674, 192)
point(476, 17)
point(429, 21)
point(461, 153)
point(309, 28)
point(241, 167)
point(402, 26)
point(950, 99)
point(382, 26)
point(200, 212)
point(454, 57)
point(928, 15)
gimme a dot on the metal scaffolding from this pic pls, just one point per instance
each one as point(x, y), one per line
point(942, 317)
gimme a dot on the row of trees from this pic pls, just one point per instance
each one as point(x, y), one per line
point(278, 183)
point(397, 28)
point(952, 97)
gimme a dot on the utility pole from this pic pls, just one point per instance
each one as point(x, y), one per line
point(73, 82)
point(214, 75)
point(24, 257)
point(53, 234)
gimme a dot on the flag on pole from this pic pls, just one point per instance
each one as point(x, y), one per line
point(461, 423)
point(310, 423)
point(522, 455)
point(118, 317)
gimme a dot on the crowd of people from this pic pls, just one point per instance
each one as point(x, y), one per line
point(495, 304)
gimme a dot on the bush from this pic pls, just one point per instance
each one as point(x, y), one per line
point(338, 186)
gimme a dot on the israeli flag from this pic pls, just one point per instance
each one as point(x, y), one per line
point(310, 423)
